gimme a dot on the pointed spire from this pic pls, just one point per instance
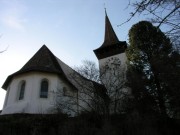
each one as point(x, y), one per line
point(110, 36)
point(111, 45)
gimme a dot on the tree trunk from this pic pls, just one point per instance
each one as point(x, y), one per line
point(160, 95)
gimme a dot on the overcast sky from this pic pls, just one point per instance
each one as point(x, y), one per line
point(71, 29)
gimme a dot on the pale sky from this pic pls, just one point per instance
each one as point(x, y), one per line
point(71, 29)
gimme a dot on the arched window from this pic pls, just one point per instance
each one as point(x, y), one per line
point(44, 89)
point(22, 90)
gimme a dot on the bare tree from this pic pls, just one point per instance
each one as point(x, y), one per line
point(65, 102)
point(4, 49)
point(162, 13)
point(113, 77)
point(87, 98)
point(89, 70)
point(103, 93)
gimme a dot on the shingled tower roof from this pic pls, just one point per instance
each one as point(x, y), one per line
point(111, 41)
point(109, 36)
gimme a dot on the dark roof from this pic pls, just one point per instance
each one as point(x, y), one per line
point(109, 36)
point(111, 42)
point(43, 61)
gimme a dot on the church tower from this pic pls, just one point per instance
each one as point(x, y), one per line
point(111, 53)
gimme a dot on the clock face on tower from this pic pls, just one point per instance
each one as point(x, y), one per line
point(113, 63)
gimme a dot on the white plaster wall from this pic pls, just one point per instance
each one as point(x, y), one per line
point(69, 100)
point(31, 103)
point(112, 80)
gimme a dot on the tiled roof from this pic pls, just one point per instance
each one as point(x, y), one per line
point(43, 61)
point(79, 81)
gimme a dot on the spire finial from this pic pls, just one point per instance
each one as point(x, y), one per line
point(105, 9)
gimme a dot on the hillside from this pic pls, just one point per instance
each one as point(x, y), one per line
point(86, 124)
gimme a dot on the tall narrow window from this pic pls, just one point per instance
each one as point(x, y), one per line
point(44, 89)
point(22, 90)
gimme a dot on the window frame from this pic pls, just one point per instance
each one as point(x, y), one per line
point(22, 87)
point(44, 88)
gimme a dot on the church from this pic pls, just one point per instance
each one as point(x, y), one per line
point(33, 89)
